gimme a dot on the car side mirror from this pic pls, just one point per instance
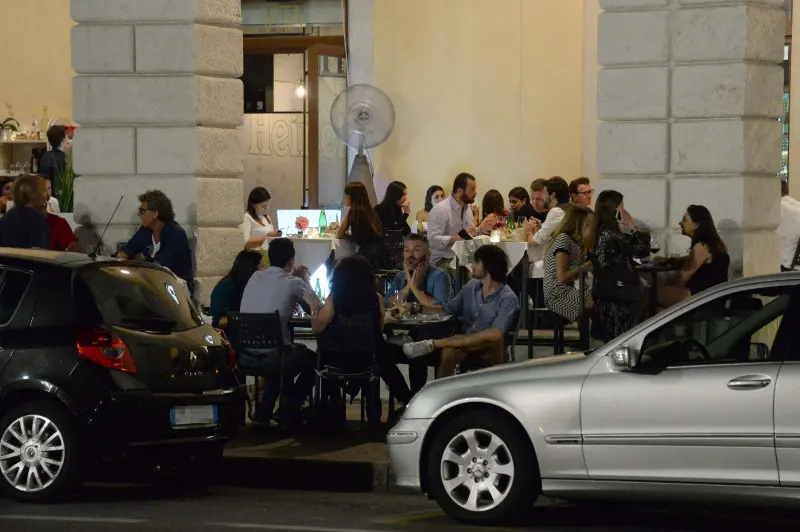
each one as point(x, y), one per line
point(622, 358)
point(759, 351)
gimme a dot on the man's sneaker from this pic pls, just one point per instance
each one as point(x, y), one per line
point(418, 349)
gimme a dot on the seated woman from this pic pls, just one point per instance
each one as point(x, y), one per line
point(360, 223)
point(492, 210)
point(705, 266)
point(354, 292)
point(26, 225)
point(434, 195)
point(393, 211)
point(227, 295)
point(520, 203)
point(565, 256)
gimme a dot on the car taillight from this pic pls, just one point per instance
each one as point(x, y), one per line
point(231, 354)
point(106, 349)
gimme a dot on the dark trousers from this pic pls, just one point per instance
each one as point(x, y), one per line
point(388, 359)
point(298, 380)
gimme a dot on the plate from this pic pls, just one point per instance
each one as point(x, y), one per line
point(185, 416)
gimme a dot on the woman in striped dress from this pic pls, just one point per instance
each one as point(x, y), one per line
point(566, 255)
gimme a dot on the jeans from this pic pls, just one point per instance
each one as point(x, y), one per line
point(299, 363)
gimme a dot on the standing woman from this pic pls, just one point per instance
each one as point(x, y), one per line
point(619, 297)
point(361, 221)
point(434, 195)
point(257, 226)
point(393, 211)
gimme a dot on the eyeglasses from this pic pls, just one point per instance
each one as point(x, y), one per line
point(143, 211)
point(586, 192)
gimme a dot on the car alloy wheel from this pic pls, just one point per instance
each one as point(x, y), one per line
point(32, 453)
point(477, 470)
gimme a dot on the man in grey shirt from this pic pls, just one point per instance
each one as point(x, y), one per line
point(280, 288)
point(487, 307)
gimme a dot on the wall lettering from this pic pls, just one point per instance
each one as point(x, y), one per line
point(273, 135)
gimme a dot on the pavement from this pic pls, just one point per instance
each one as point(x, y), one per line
point(148, 508)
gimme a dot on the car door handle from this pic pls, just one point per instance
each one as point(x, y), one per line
point(749, 382)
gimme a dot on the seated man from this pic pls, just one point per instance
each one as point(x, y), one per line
point(281, 288)
point(486, 306)
point(429, 286)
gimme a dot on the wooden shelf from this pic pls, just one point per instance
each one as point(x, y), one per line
point(23, 142)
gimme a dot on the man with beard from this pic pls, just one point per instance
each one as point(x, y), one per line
point(556, 202)
point(419, 282)
point(449, 217)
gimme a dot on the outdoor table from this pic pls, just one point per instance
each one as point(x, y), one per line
point(653, 270)
point(312, 252)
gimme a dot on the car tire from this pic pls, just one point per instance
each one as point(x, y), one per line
point(52, 468)
point(511, 468)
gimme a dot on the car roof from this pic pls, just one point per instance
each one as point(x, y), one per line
point(55, 258)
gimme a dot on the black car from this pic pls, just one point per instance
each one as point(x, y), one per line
point(99, 358)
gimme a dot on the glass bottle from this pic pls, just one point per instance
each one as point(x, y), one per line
point(43, 124)
point(318, 290)
point(323, 223)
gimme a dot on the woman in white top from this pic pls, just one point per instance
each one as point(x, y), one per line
point(257, 226)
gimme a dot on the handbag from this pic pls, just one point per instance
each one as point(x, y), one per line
point(617, 285)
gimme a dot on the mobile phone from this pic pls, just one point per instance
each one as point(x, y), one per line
point(618, 216)
point(464, 235)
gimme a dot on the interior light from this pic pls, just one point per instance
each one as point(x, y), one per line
point(300, 92)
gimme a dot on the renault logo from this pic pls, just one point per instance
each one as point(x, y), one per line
point(192, 359)
point(209, 339)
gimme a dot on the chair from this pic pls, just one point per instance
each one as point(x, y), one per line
point(253, 337)
point(386, 262)
point(347, 353)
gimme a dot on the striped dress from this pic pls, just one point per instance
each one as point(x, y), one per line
point(563, 299)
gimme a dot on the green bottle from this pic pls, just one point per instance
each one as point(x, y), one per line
point(511, 223)
point(318, 290)
point(323, 224)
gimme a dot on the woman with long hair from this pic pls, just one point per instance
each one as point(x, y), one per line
point(617, 292)
point(25, 226)
point(492, 209)
point(566, 255)
point(434, 195)
point(361, 221)
point(257, 226)
point(705, 266)
point(227, 295)
point(520, 203)
point(393, 211)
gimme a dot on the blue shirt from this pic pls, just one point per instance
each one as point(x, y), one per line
point(495, 312)
point(174, 252)
point(437, 285)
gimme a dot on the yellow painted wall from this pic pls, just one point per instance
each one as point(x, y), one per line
point(35, 58)
point(491, 87)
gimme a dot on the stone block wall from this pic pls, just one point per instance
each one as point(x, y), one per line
point(690, 93)
point(158, 98)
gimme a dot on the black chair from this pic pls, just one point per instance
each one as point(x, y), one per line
point(253, 338)
point(389, 259)
point(346, 355)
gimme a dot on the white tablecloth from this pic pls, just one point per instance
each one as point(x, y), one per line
point(514, 250)
point(313, 252)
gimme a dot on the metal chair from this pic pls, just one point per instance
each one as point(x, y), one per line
point(254, 338)
point(347, 353)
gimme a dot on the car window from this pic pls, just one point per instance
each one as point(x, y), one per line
point(13, 285)
point(135, 298)
point(739, 328)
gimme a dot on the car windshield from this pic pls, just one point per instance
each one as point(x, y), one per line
point(135, 298)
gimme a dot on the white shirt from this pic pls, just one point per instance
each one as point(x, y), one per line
point(554, 218)
point(52, 206)
point(252, 228)
point(789, 229)
point(446, 219)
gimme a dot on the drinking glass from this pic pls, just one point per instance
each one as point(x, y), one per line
point(655, 246)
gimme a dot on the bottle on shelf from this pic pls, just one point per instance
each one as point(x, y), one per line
point(323, 222)
point(44, 124)
point(35, 161)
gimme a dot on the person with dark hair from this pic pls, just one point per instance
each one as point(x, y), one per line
point(789, 228)
point(705, 266)
point(419, 282)
point(520, 203)
point(281, 288)
point(433, 196)
point(538, 196)
point(395, 208)
point(160, 238)
point(361, 221)
point(6, 191)
point(556, 202)
point(487, 308)
point(449, 218)
point(257, 226)
point(25, 226)
point(581, 191)
point(227, 294)
point(54, 162)
point(617, 291)
point(493, 209)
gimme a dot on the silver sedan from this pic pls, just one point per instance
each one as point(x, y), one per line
point(699, 402)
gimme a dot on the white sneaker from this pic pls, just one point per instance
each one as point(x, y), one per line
point(418, 349)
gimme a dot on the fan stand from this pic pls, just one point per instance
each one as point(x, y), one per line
point(362, 172)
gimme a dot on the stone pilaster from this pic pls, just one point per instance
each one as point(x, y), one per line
point(158, 100)
point(690, 93)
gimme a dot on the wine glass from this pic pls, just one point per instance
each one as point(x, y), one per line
point(655, 246)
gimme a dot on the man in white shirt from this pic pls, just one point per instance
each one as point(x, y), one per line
point(449, 217)
point(789, 229)
point(556, 201)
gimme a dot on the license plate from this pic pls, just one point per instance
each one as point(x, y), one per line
point(183, 416)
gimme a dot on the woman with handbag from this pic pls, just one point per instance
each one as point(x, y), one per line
point(618, 293)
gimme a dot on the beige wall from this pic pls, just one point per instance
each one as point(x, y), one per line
point(491, 87)
point(590, 67)
point(35, 58)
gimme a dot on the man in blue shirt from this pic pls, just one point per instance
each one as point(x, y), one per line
point(487, 308)
point(430, 286)
point(160, 238)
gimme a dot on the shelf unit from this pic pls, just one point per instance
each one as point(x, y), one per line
point(12, 151)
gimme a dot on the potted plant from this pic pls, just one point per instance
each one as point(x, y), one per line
point(7, 128)
point(65, 187)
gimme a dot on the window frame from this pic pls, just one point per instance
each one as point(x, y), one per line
point(4, 269)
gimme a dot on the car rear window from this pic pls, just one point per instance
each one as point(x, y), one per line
point(135, 298)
